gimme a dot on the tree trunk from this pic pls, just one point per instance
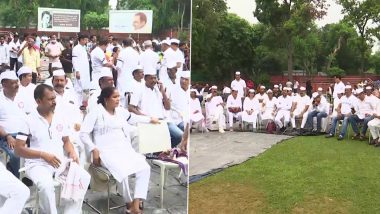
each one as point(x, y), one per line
point(183, 14)
point(290, 60)
point(332, 55)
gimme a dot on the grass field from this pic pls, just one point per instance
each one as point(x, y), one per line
point(300, 175)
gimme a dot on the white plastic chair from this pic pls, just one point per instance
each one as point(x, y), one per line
point(156, 138)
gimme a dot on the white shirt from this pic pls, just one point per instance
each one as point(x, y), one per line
point(12, 44)
point(348, 103)
point(284, 103)
point(180, 100)
point(25, 98)
point(195, 105)
point(44, 136)
point(93, 99)
point(4, 54)
point(149, 59)
point(81, 64)
point(239, 85)
point(127, 61)
point(322, 107)
point(261, 97)
point(213, 103)
point(98, 59)
point(149, 101)
point(338, 87)
point(172, 56)
point(232, 102)
point(251, 104)
point(302, 102)
point(373, 100)
point(12, 117)
point(337, 101)
point(269, 105)
point(364, 107)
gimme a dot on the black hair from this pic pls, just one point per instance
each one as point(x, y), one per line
point(92, 36)
point(82, 36)
point(142, 16)
point(40, 91)
point(127, 42)
point(46, 13)
point(115, 49)
point(338, 76)
point(103, 42)
point(22, 76)
point(106, 93)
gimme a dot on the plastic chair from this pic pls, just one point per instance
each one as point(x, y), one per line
point(156, 138)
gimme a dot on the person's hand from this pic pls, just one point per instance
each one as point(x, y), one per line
point(11, 142)
point(95, 157)
point(195, 112)
point(77, 127)
point(73, 155)
point(77, 75)
point(51, 159)
point(154, 120)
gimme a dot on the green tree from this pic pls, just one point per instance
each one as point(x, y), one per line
point(96, 21)
point(364, 15)
point(289, 18)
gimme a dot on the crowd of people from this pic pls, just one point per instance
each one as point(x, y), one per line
point(293, 109)
point(86, 111)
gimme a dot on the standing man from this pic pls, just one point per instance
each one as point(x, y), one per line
point(4, 53)
point(31, 57)
point(239, 84)
point(98, 61)
point(53, 51)
point(338, 86)
point(48, 142)
point(14, 47)
point(149, 59)
point(92, 43)
point(12, 118)
point(66, 60)
point(127, 62)
point(81, 65)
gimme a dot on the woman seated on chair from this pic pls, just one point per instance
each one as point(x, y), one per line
point(111, 146)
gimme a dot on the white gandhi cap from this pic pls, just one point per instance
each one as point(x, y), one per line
point(320, 89)
point(24, 70)
point(58, 73)
point(348, 87)
point(8, 75)
point(237, 72)
point(185, 74)
point(105, 72)
point(303, 88)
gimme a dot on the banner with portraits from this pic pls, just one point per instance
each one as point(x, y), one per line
point(130, 21)
point(58, 20)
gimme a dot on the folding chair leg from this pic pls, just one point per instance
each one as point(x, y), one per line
point(108, 197)
point(162, 185)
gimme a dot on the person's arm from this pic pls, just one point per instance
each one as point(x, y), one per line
point(86, 131)
point(10, 140)
point(134, 103)
point(185, 138)
point(22, 49)
point(165, 99)
point(69, 148)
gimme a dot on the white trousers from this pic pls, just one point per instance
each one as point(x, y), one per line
point(231, 117)
point(373, 128)
point(250, 118)
point(297, 114)
point(13, 193)
point(282, 114)
point(141, 186)
point(42, 177)
point(218, 115)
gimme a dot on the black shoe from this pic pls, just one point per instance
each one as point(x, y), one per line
point(329, 135)
point(340, 137)
point(27, 181)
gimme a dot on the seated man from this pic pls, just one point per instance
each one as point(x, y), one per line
point(300, 108)
point(196, 115)
point(12, 189)
point(269, 106)
point(283, 110)
point(344, 111)
point(234, 107)
point(48, 142)
point(319, 110)
point(363, 113)
point(214, 109)
point(251, 109)
point(374, 125)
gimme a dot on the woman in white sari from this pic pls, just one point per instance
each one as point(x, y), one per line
point(251, 109)
point(111, 145)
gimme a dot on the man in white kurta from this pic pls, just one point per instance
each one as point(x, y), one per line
point(214, 109)
point(12, 189)
point(127, 61)
point(300, 110)
point(374, 126)
point(174, 55)
point(179, 97)
point(98, 61)
point(234, 108)
point(372, 98)
point(81, 64)
point(251, 109)
point(270, 106)
point(196, 116)
point(363, 113)
point(25, 93)
point(338, 86)
point(149, 59)
point(49, 139)
point(284, 105)
point(239, 84)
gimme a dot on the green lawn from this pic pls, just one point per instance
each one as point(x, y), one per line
point(300, 175)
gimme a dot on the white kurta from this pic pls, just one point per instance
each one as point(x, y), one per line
point(81, 64)
point(250, 105)
point(128, 61)
point(112, 140)
point(269, 107)
point(195, 105)
point(25, 98)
